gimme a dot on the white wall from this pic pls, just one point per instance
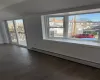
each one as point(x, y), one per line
point(1, 35)
point(34, 37)
point(1, 39)
point(4, 32)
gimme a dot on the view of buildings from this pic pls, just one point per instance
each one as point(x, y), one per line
point(77, 26)
point(56, 25)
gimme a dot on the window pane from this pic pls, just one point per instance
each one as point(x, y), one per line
point(56, 21)
point(12, 31)
point(84, 26)
point(55, 32)
point(20, 32)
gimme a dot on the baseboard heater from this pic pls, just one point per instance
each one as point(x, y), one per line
point(89, 63)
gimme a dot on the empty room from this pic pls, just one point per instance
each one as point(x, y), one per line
point(49, 39)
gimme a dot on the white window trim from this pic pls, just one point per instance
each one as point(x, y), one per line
point(65, 15)
point(80, 42)
point(47, 27)
point(65, 26)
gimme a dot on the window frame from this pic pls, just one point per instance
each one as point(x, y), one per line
point(48, 27)
point(66, 23)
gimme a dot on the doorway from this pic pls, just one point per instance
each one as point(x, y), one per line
point(17, 32)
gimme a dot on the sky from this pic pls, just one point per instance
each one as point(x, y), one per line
point(92, 16)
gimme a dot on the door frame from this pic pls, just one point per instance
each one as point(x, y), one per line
point(16, 33)
point(9, 35)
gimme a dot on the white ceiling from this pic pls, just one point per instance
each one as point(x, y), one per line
point(6, 3)
point(12, 8)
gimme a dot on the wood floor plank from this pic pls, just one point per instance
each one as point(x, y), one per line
point(17, 63)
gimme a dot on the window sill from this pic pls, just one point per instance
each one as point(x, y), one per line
point(81, 42)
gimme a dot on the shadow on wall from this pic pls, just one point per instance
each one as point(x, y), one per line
point(42, 7)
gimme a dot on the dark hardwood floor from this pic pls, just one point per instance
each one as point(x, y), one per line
point(18, 63)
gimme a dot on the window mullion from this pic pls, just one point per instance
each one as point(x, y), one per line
point(47, 27)
point(65, 26)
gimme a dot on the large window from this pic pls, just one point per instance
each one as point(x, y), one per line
point(79, 25)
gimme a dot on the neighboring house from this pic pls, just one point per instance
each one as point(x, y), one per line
point(56, 23)
point(74, 27)
point(80, 26)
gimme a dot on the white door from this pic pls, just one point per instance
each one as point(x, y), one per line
point(16, 27)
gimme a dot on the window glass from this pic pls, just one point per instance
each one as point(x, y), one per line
point(84, 26)
point(56, 26)
point(56, 21)
point(56, 32)
point(12, 31)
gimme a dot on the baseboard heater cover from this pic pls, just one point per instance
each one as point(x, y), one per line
point(89, 63)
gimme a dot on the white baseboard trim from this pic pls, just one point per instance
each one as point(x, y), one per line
point(96, 65)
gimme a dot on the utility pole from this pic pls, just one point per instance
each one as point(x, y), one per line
point(74, 26)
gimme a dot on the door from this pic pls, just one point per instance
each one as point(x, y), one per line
point(17, 32)
point(19, 26)
point(12, 32)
